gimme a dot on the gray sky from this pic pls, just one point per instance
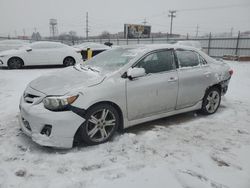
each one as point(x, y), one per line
point(110, 15)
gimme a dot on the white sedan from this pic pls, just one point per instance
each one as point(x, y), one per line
point(120, 88)
point(40, 53)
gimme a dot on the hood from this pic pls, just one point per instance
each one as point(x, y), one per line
point(9, 52)
point(69, 79)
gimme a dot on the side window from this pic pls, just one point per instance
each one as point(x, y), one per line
point(158, 62)
point(46, 45)
point(187, 58)
point(55, 45)
point(39, 46)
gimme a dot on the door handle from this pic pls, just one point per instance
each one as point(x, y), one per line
point(172, 79)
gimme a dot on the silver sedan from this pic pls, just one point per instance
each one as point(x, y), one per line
point(118, 89)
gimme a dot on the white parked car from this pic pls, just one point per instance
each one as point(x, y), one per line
point(40, 53)
point(120, 88)
point(11, 44)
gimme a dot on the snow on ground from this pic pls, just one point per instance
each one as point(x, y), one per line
point(188, 150)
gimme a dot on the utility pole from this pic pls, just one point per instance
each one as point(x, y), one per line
point(197, 31)
point(24, 33)
point(35, 33)
point(231, 32)
point(144, 21)
point(171, 15)
point(87, 26)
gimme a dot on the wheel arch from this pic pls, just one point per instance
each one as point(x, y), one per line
point(17, 58)
point(218, 86)
point(119, 111)
point(69, 56)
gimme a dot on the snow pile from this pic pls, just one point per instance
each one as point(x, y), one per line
point(187, 150)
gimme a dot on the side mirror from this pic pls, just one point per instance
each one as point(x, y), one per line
point(28, 49)
point(135, 72)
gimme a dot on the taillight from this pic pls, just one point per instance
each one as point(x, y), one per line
point(231, 72)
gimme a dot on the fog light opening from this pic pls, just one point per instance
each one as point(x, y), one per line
point(26, 124)
point(46, 130)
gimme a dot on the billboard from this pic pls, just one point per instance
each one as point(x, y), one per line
point(132, 31)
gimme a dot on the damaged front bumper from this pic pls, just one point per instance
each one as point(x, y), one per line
point(47, 128)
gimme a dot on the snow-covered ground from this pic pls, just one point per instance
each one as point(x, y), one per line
point(188, 150)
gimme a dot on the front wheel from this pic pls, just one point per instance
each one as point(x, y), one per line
point(211, 101)
point(100, 125)
point(15, 63)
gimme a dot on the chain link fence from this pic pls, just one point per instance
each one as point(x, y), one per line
point(213, 46)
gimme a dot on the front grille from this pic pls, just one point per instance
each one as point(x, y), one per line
point(29, 98)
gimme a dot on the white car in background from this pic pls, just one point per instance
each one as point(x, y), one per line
point(40, 53)
point(12, 44)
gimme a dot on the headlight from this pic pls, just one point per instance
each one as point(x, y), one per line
point(58, 103)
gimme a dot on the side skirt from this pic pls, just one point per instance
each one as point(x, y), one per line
point(197, 106)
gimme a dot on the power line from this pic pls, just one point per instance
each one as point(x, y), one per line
point(215, 7)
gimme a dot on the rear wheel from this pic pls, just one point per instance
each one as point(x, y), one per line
point(68, 61)
point(211, 101)
point(100, 125)
point(15, 63)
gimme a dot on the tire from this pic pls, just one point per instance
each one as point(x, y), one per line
point(15, 63)
point(211, 101)
point(69, 61)
point(101, 123)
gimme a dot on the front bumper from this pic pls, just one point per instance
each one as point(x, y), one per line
point(33, 119)
point(3, 62)
point(224, 86)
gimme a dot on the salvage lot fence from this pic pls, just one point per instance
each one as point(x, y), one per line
point(213, 46)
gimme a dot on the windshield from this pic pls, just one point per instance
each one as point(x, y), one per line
point(112, 59)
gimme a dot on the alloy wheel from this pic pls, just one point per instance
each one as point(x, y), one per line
point(100, 125)
point(212, 101)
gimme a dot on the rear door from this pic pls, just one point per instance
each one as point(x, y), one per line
point(193, 80)
point(56, 53)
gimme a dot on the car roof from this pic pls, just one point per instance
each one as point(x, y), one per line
point(14, 41)
point(193, 43)
point(151, 47)
point(46, 42)
point(93, 46)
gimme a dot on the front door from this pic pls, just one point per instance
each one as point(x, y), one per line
point(156, 92)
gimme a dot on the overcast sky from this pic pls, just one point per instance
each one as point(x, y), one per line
point(211, 15)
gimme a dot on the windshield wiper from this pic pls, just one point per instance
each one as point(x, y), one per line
point(83, 67)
